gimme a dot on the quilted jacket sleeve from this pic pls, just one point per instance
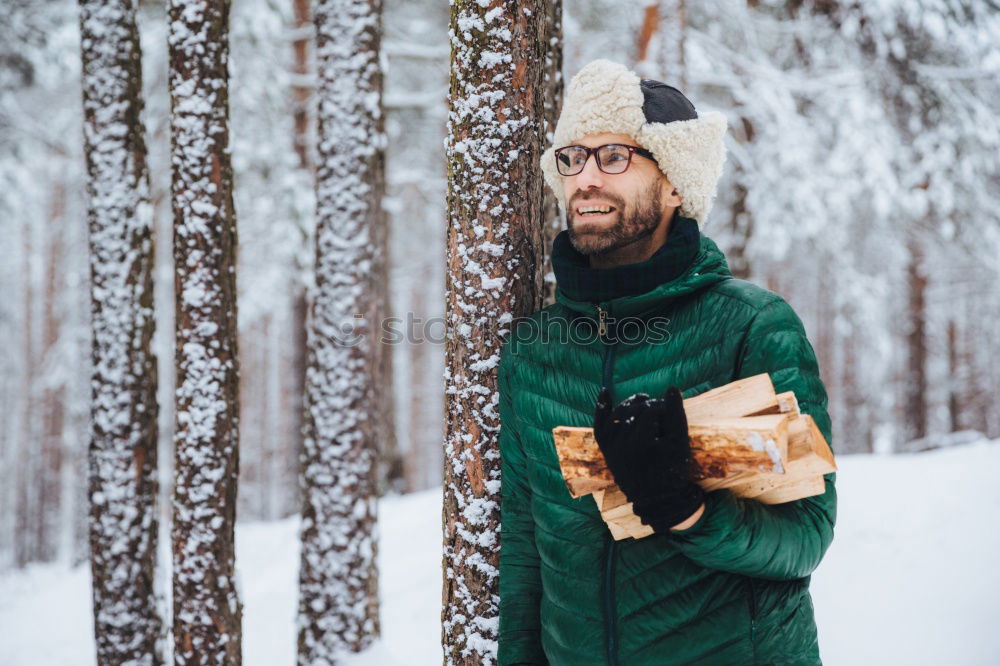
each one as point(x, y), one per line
point(520, 580)
point(781, 541)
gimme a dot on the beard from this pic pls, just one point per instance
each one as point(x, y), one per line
point(632, 222)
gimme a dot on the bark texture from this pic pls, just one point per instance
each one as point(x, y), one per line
point(553, 221)
point(338, 577)
point(207, 608)
point(494, 253)
point(122, 459)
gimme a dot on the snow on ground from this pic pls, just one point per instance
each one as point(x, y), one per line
point(911, 578)
point(913, 574)
point(410, 586)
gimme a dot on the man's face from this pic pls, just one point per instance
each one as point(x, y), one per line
point(636, 198)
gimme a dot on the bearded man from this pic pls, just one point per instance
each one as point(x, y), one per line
point(722, 580)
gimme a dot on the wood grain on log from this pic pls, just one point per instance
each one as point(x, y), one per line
point(744, 397)
point(725, 447)
point(809, 456)
point(794, 490)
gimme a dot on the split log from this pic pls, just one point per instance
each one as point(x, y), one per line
point(609, 498)
point(794, 490)
point(808, 457)
point(744, 397)
point(733, 445)
point(616, 511)
point(722, 448)
point(631, 525)
point(744, 437)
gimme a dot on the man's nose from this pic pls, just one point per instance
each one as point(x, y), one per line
point(591, 176)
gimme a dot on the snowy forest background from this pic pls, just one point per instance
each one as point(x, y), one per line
point(862, 184)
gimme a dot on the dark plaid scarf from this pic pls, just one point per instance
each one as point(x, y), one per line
point(580, 282)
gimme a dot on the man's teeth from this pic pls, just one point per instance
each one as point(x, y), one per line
point(594, 210)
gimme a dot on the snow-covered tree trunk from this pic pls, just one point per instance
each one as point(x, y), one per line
point(207, 607)
point(123, 428)
point(741, 221)
point(494, 276)
point(552, 40)
point(303, 142)
point(338, 577)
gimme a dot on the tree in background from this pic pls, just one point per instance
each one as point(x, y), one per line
point(276, 202)
point(207, 608)
point(45, 312)
point(123, 441)
point(415, 46)
point(338, 575)
point(924, 62)
point(495, 130)
point(660, 47)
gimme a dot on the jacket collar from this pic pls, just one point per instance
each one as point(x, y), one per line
point(687, 261)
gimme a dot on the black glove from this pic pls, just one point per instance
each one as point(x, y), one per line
point(646, 445)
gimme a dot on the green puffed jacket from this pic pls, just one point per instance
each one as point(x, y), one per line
point(733, 588)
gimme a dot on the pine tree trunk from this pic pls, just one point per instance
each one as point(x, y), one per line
point(671, 43)
point(857, 419)
point(23, 544)
point(980, 376)
point(494, 262)
point(672, 46)
point(553, 222)
point(415, 466)
point(954, 403)
point(301, 104)
point(660, 47)
point(390, 458)
point(301, 93)
point(253, 420)
point(52, 396)
point(915, 385)
point(740, 218)
point(123, 438)
point(207, 608)
point(338, 577)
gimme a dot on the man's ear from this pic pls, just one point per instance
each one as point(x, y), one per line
point(672, 198)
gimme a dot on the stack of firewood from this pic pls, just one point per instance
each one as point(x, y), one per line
point(744, 437)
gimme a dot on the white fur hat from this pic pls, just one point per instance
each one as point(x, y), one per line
point(607, 97)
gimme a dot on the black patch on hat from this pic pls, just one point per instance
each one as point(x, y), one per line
point(665, 104)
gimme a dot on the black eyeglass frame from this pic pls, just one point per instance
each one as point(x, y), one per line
point(632, 150)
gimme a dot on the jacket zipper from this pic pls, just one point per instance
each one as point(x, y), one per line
point(610, 604)
point(607, 380)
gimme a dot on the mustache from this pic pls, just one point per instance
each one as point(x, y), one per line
point(584, 196)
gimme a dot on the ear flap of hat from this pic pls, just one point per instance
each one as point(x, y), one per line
point(691, 153)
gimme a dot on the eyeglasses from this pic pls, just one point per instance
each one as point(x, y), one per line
point(612, 158)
